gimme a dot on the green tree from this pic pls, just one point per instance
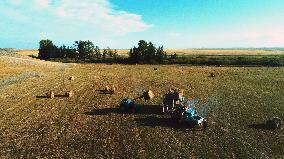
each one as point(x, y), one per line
point(146, 53)
point(105, 53)
point(97, 53)
point(47, 49)
point(160, 54)
point(85, 49)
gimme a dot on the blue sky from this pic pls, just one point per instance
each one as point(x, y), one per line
point(122, 23)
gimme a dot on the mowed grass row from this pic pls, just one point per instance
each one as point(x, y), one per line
point(88, 125)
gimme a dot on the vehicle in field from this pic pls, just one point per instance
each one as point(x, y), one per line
point(181, 110)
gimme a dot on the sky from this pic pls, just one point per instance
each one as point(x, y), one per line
point(120, 24)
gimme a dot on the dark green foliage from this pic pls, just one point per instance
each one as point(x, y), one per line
point(104, 54)
point(66, 52)
point(47, 49)
point(174, 56)
point(81, 50)
point(146, 53)
point(86, 49)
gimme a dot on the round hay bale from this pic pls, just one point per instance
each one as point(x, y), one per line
point(112, 90)
point(107, 89)
point(69, 94)
point(148, 95)
point(274, 123)
point(50, 94)
point(72, 78)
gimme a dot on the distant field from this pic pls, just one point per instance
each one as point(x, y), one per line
point(192, 52)
point(28, 52)
point(224, 52)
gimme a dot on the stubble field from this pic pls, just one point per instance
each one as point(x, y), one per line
point(236, 102)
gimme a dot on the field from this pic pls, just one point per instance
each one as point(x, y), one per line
point(224, 52)
point(192, 52)
point(236, 103)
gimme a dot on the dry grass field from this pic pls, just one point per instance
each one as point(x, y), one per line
point(28, 52)
point(224, 52)
point(236, 102)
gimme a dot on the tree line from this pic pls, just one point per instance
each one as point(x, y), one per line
point(145, 52)
point(80, 50)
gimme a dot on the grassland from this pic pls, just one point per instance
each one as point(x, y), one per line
point(191, 52)
point(236, 103)
point(224, 52)
point(223, 57)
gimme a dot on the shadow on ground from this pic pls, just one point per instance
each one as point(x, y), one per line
point(261, 126)
point(153, 121)
point(104, 111)
point(141, 109)
point(103, 92)
point(55, 96)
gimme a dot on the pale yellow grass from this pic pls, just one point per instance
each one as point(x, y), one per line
point(12, 66)
point(223, 52)
point(28, 52)
point(8, 70)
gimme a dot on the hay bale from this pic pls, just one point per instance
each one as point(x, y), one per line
point(109, 90)
point(72, 78)
point(50, 94)
point(148, 95)
point(69, 94)
point(112, 90)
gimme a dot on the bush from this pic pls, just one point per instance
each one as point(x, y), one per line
point(86, 50)
point(47, 49)
point(146, 53)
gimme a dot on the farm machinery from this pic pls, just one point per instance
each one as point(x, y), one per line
point(181, 110)
point(174, 104)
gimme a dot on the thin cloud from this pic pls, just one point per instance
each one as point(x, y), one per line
point(100, 13)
